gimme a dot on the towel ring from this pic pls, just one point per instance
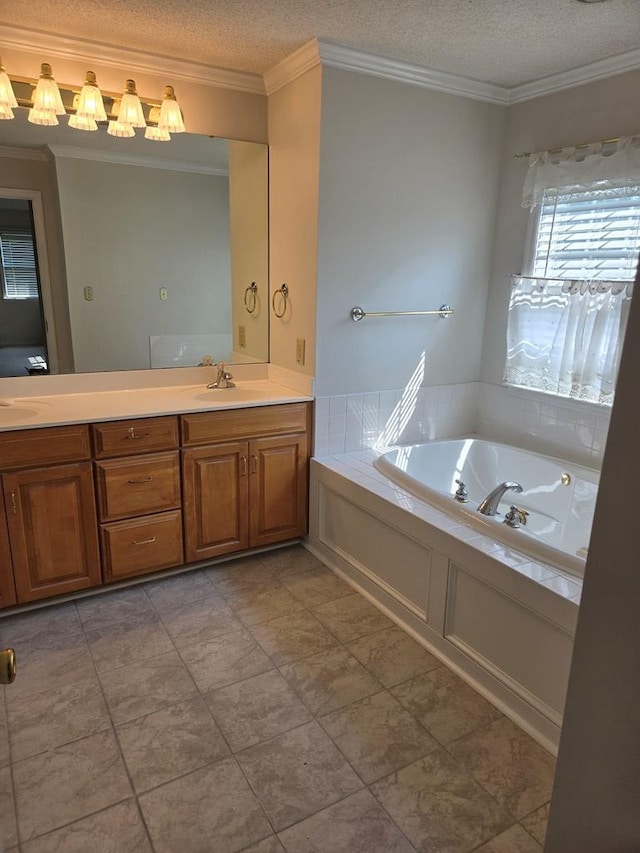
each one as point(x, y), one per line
point(283, 290)
point(251, 297)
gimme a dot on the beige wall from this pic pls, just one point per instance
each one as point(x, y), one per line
point(17, 173)
point(294, 153)
point(128, 231)
point(586, 113)
point(249, 233)
point(408, 191)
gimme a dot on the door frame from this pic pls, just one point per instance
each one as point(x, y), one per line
point(40, 236)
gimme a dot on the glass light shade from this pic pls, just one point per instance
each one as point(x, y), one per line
point(7, 96)
point(6, 112)
point(47, 118)
point(47, 95)
point(90, 104)
point(170, 115)
point(124, 131)
point(156, 134)
point(130, 107)
point(82, 123)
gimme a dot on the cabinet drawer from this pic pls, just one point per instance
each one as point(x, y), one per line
point(234, 424)
point(141, 545)
point(31, 448)
point(138, 485)
point(127, 438)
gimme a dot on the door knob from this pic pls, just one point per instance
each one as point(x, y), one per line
point(7, 666)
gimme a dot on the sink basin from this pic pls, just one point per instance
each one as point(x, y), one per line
point(15, 414)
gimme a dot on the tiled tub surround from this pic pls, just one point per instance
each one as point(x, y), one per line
point(563, 428)
point(260, 706)
point(501, 620)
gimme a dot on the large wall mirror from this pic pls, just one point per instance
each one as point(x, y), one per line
point(134, 254)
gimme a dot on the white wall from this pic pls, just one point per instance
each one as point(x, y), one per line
point(120, 241)
point(408, 192)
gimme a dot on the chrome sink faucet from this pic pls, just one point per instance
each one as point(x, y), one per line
point(489, 506)
point(223, 379)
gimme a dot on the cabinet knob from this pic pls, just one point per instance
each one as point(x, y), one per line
point(14, 503)
point(7, 666)
point(243, 466)
point(254, 463)
point(131, 433)
point(141, 480)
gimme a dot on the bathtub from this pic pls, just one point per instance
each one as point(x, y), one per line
point(559, 496)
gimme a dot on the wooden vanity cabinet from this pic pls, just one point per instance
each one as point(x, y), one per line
point(7, 585)
point(248, 493)
point(50, 510)
point(139, 496)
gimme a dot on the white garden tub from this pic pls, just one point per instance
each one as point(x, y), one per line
point(559, 496)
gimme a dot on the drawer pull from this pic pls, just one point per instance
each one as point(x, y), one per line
point(254, 463)
point(132, 434)
point(144, 541)
point(14, 503)
point(141, 480)
point(243, 466)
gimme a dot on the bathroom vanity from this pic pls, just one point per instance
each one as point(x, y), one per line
point(84, 504)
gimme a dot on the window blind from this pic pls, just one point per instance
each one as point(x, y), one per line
point(19, 269)
point(588, 235)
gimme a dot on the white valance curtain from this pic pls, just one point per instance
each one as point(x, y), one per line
point(598, 166)
point(565, 337)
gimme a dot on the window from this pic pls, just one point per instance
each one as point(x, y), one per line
point(18, 265)
point(567, 316)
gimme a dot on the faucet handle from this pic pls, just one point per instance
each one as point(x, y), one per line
point(516, 516)
point(461, 495)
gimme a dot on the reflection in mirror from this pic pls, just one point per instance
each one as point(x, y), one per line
point(158, 244)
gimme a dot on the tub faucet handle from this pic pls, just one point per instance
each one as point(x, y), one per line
point(461, 495)
point(515, 517)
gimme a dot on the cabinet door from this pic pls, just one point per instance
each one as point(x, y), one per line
point(7, 587)
point(51, 514)
point(215, 500)
point(278, 490)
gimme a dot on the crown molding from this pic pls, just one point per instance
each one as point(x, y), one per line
point(71, 152)
point(297, 63)
point(599, 70)
point(348, 59)
point(24, 153)
point(135, 61)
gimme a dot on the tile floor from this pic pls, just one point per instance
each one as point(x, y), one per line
point(259, 706)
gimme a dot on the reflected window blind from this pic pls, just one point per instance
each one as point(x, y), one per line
point(19, 270)
point(588, 235)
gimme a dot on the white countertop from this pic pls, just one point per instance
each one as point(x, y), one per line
point(41, 410)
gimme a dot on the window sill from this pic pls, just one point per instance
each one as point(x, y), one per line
point(558, 400)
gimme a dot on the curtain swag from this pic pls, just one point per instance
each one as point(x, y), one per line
point(598, 166)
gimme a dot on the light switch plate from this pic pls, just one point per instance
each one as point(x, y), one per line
point(88, 294)
point(300, 346)
point(242, 336)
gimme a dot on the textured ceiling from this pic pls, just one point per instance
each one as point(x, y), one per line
point(499, 41)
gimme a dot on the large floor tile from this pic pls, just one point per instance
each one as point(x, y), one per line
point(56, 716)
point(329, 680)
point(212, 809)
point(225, 660)
point(438, 807)
point(241, 577)
point(357, 824)
point(124, 643)
point(269, 845)
point(293, 636)
point(167, 593)
point(118, 829)
point(514, 840)
point(445, 704)
point(536, 823)
point(509, 764)
point(146, 686)
point(256, 709)
point(350, 617)
point(37, 626)
point(65, 661)
point(8, 831)
point(263, 605)
point(68, 783)
point(4, 729)
point(297, 774)
point(169, 743)
point(392, 656)
point(316, 587)
point(189, 622)
point(291, 560)
point(377, 736)
point(119, 607)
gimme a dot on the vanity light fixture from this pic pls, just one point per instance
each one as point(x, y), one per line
point(8, 100)
point(90, 104)
point(82, 123)
point(130, 107)
point(47, 100)
point(157, 134)
point(117, 128)
point(170, 114)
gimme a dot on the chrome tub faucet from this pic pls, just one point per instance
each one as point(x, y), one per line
point(489, 506)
